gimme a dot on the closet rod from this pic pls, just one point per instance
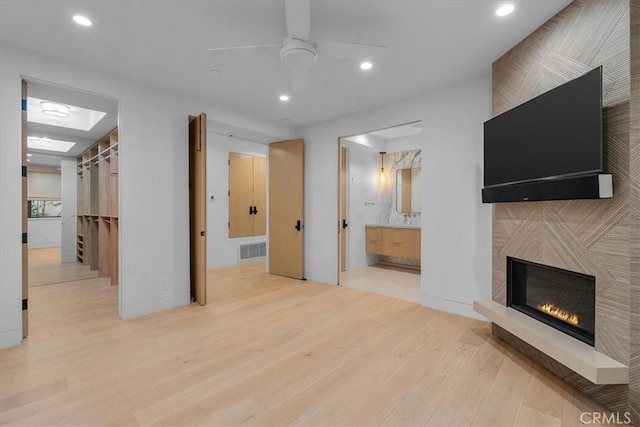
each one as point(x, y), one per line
point(90, 159)
point(99, 152)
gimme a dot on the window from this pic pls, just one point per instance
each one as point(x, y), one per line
point(43, 193)
point(44, 209)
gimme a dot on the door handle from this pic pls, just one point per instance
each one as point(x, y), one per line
point(344, 223)
point(298, 225)
point(202, 233)
point(255, 210)
point(250, 210)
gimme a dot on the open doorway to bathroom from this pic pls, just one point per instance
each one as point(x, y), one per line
point(380, 204)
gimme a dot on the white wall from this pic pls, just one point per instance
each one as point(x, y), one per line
point(154, 220)
point(362, 208)
point(153, 172)
point(456, 226)
point(44, 232)
point(221, 250)
point(69, 202)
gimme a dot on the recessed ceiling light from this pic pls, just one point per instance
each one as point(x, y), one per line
point(49, 144)
point(82, 20)
point(284, 98)
point(504, 10)
point(28, 160)
point(366, 65)
point(29, 154)
point(214, 71)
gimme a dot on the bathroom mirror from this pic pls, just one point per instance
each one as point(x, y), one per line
point(408, 190)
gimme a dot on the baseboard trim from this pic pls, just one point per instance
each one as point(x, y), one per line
point(449, 306)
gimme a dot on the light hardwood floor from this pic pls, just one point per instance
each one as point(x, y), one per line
point(384, 281)
point(45, 268)
point(269, 350)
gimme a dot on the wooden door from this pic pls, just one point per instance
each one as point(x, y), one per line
point(286, 198)
point(259, 196)
point(240, 195)
point(198, 206)
point(343, 209)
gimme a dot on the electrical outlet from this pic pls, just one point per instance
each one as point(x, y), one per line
point(165, 284)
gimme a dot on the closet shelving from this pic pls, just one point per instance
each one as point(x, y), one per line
point(97, 240)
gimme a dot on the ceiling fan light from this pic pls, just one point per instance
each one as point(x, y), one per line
point(298, 58)
point(298, 53)
point(55, 110)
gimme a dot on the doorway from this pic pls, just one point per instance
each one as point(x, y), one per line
point(71, 240)
point(380, 203)
point(240, 226)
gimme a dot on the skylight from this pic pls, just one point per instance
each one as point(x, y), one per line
point(78, 118)
point(49, 144)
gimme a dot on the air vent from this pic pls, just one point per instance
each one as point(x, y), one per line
point(253, 251)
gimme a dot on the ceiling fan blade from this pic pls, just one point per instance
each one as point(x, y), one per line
point(299, 77)
point(350, 50)
point(244, 49)
point(297, 15)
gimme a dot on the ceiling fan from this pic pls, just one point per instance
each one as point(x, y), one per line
point(298, 53)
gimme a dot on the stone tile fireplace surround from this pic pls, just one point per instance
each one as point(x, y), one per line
point(598, 238)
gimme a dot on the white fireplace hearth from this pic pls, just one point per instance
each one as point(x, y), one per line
point(581, 358)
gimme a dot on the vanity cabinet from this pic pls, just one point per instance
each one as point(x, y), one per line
point(374, 240)
point(400, 242)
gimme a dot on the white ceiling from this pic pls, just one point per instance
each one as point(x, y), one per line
point(398, 131)
point(430, 43)
point(376, 140)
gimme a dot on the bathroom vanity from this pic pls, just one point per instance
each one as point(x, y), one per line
point(398, 241)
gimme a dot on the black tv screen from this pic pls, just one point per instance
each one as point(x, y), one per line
point(556, 134)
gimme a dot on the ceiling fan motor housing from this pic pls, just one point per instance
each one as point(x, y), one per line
point(298, 53)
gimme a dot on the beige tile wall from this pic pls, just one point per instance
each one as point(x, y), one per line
point(588, 236)
point(634, 236)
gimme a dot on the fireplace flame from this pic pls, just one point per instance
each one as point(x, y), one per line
point(559, 313)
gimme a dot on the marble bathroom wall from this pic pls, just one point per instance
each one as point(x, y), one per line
point(387, 195)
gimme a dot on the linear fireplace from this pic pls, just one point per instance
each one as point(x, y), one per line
point(563, 299)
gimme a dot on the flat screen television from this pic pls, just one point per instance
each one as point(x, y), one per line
point(554, 137)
